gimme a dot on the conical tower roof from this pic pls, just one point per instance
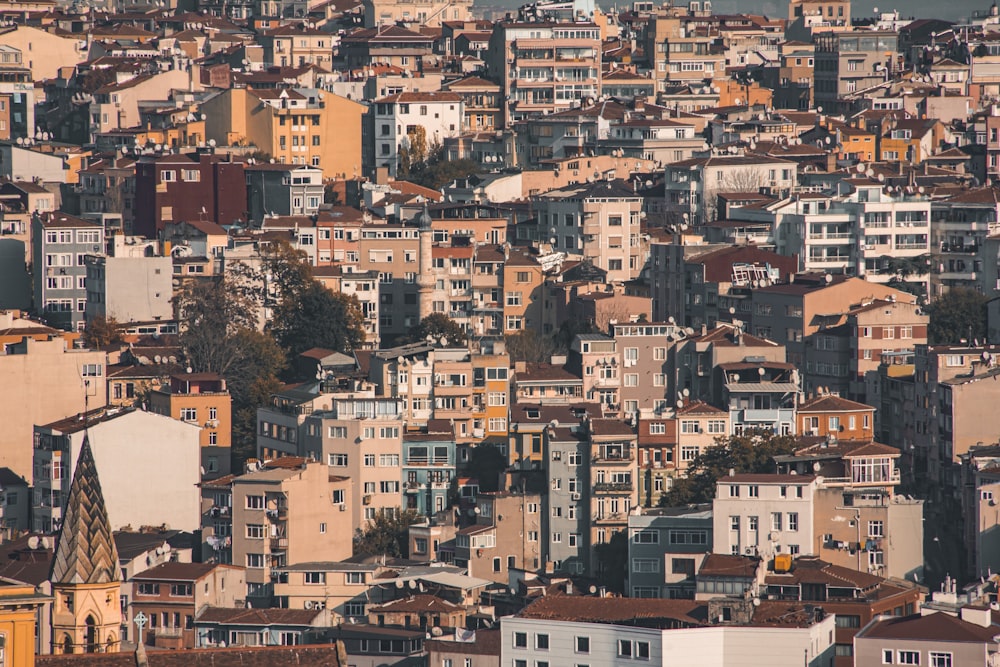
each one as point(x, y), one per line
point(85, 552)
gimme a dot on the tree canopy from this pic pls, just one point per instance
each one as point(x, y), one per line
point(437, 170)
point(437, 325)
point(385, 535)
point(486, 464)
point(958, 314)
point(102, 332)
point(317, 317)
point(747, 453)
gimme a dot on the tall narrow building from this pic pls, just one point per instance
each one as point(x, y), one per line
point(425, 278)
point(86, 575)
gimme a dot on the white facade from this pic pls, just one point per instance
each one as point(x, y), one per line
point(130, 289)
point(711, 646)
point(753, 516)
point(439, 114)
point(146, 481)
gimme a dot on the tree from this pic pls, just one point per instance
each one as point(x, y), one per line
point(385, 535)
point(103, 332)
point(317, 317)
point(956, 315)
point(437, 170)
point(438, 325)
point(741, 180)
point(747, 453)
point(529, 345)
point(486, 464)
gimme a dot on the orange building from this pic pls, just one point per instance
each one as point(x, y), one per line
point(827, 415)
point(198, 398)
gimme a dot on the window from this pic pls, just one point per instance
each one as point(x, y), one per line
point(542, 642)
point(907, 657)
point(255, 502)
point(625, 648)
point(180, 590)
point(149, 589)
point(793, 521)
point(355, 578)
point(875, 529)
point(940, 659)
point(753, 491)
point(776, 521)
point(583, 644)
point(255, 561)
point(315, 577)
point(369, 460)
point(887, 656)
point(189, 414)
point(642, 650)
point(255, 531)
point(338, 460)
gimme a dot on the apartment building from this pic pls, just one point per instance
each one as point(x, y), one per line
point(594, 359)
point(126, 459)
point(937, 638)
point(201, 399)
point(59, 244)
point(428, 466)
point(764, 515)
point(188, 186)
point(287, 190)
point(361, 438)
point(296, 46)
point(524, 443)
point(564, 514)
point(544, 66)
point(665, 547)
point(364, 286)
point(129, 286)
point(170, 595)
point(289, 510)
point(692, 186)
point(699, 426)
point(613, 480)
point(960, 227)
point(851, 61)
point(792, 78)
point(430, 13)
point(954, 392)
point(490, 394)
point(545, 384)
point(642, 354)
point(522, 302)
point(598, 220)
point(390, 45)
point(413, 121)
point(683, 52)
point(760, 395)
point(504, 538)
point(657, 452)
point(482, 103)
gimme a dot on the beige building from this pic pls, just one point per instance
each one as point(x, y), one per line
point(361, 439)
point(614, 479)
point(44, 52)
point(116, 105)
point(429, 13)
point(44, 381)
point(504, 538)
point(289, 510)
point(296, 46)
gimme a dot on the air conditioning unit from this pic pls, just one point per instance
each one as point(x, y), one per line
point(574, 496)
point(343, 507)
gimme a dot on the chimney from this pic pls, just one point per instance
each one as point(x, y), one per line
point(980, 616)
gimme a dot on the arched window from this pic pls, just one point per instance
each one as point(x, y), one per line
point(67, 644)
point(91, 644)
point(111, 645)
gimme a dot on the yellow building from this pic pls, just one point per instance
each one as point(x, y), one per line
point(490, 394)
point(292, 126)
point(201, 399)
point(19, 605)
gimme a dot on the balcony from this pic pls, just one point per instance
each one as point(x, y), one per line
point(614, 455)
point(893, 478)
point(607, 517)
point(279, 543)
point(613, 487)
point(970, 249)
point(757, 415)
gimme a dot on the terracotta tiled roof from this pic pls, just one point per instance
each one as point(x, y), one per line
point(726, 565)
point(320, 655)
point(257, 617)
point(932, 627)
point(831, 403)
point(611, 610)
point(873, 449)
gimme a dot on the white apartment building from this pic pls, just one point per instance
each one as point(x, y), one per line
point(764, 515)
point(397, 117)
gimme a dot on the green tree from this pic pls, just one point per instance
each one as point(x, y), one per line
point(958, 314)
point(438, 325)
point(385, 535)
point(219, 335)
point(612, 561)
point(437, 170)
point(529, 345)
point(103, 332)
point(317, 317)
point(747, 453)
point(486, 464)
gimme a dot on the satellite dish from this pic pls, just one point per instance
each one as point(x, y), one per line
point(211, 142)
point(399, 583)
point(686, 392)
point(860, 168)
point(33, 542)
point(680, 403)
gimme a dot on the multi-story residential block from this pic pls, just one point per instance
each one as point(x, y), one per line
point(657, 443)
point(412, 123)
point(482, 103)
point(390, 45)
point(545, 384)
point(124, 455)
point(980, 489)
point(544, 66)
point(764, 515)
point(245, 626)
point(792, 77)
point(565, 517)
point(172, 594)
point(490, 394)
point(428, 465)
point(504, 538)
point(613, 480)
point(201, 399)
point(699, 426)
point(128, 285)
point(364, 286)
point(761, 395)
point(188, 186)
point(594, 358)
point(643, 361)
point(289, 511)
point(665, 547)
point(60, 242)
point(851, 61)
point(520, 299)
point(960, 229)
point(284, 189)
point(430, 13)
point(598, 220)
point(600, 630)
point(296, 46)
point(14, 512)
point(361, 438)
point(692, 185)
point(936, 638)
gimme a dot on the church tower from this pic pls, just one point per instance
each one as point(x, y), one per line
point(425, 277)
point(86, 576)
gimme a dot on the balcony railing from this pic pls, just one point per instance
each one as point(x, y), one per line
point(613, 487)
point(279, 543)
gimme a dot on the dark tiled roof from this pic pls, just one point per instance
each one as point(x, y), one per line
point(932, 627)
point(725, 565)
point(611, 610)
point(321, 655)
point(257, 617)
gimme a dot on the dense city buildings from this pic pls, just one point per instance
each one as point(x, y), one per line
point(425, 333)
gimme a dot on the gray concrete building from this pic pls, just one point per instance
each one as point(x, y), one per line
point(59, 244)
point(665, 546)
point(566, 515)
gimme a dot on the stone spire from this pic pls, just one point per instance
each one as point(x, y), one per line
point(85, 552)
